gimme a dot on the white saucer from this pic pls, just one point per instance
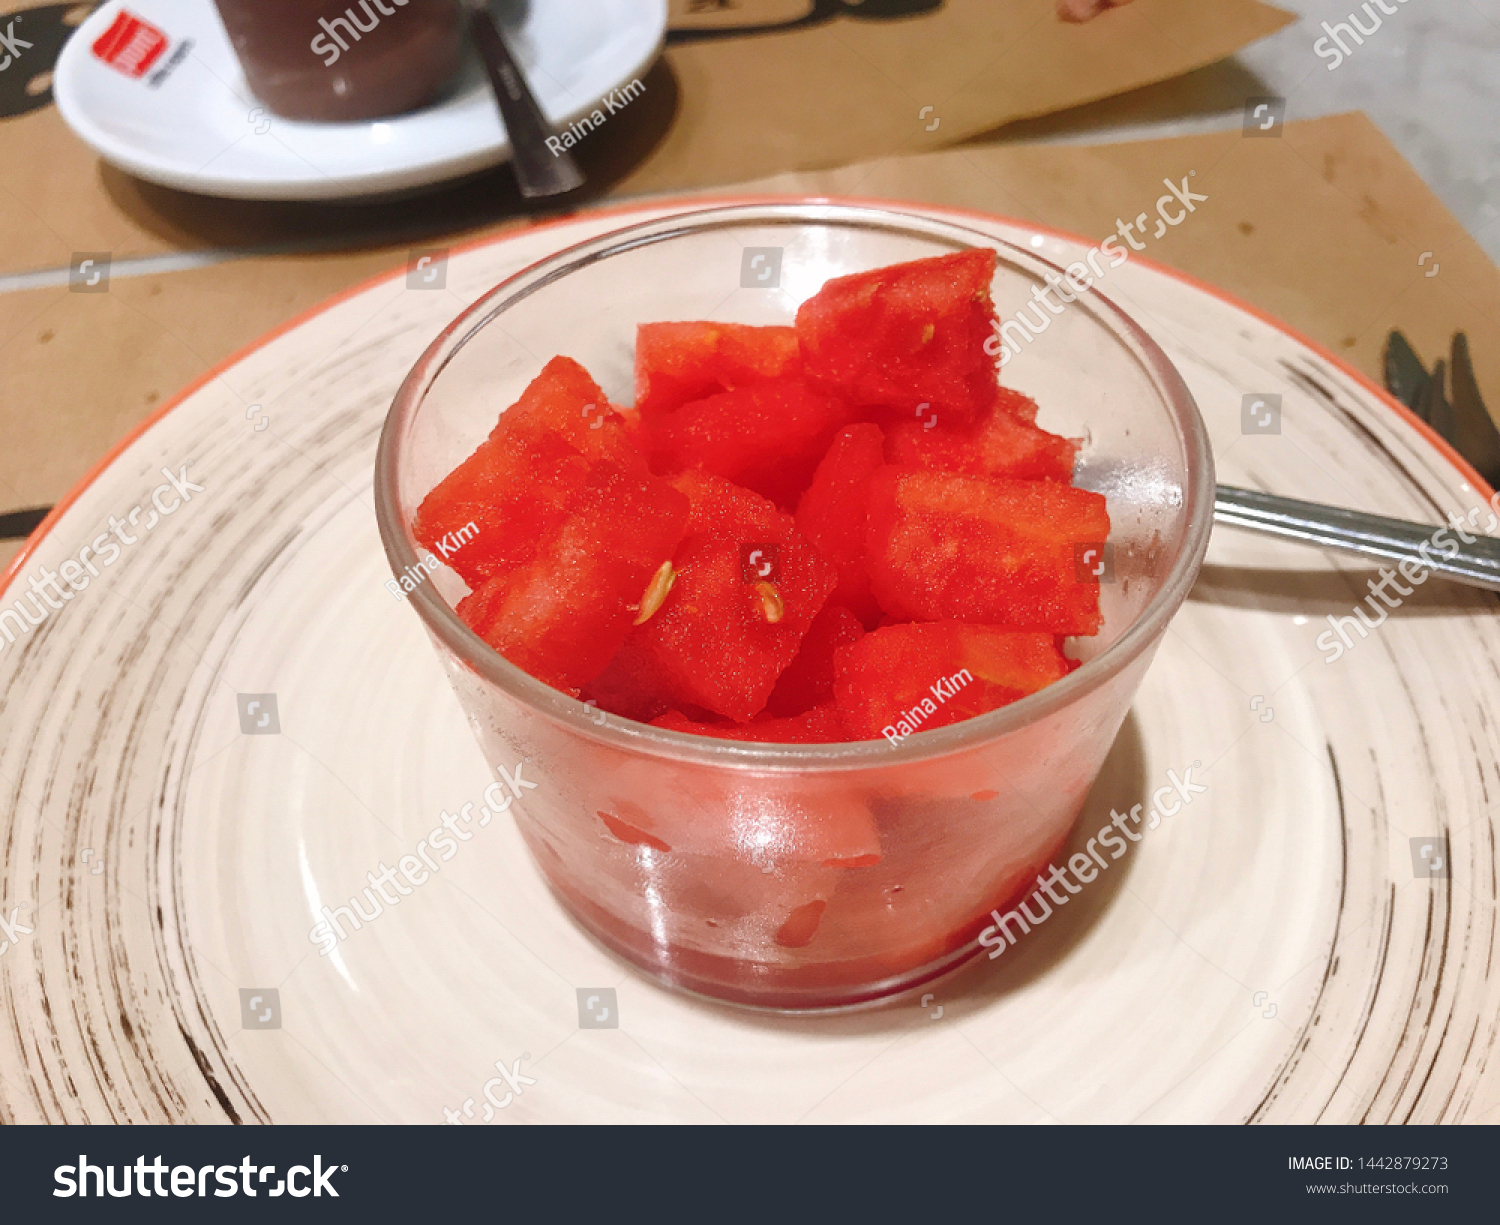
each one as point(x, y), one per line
point(200, 128)
point(1281, 951)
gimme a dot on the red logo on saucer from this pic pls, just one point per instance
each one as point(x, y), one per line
point(131, 45)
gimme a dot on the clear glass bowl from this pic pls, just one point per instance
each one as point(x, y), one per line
point(740, 909)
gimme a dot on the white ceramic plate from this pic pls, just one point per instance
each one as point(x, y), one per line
point(1269, 953)
point(200, 129)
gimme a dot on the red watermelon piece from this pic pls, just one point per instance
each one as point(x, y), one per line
point(909, 678)
point(1004, 442)
point(941, 546)
point(731, 623)
point(807, 682)
point(676, 363)
point(491, 514)
point(563, 616)
point(564, 400)
point(832, 513)
point(905, 337)
point(767, 436)
point(630, 686)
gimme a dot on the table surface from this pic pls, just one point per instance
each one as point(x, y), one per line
point(1427, 78)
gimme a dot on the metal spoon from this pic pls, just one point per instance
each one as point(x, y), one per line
point(1353, 531)
point(539, 170)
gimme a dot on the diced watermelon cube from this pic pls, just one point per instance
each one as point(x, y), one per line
point(564, 400)
point(906, 336)
point(807, 682)
point(833, 511)
point(766, 436)
point(505, 500)
point(747, 588)
point(1002, 443)
point(941, 546)
point(516, 490)
point(630, 686)
point(676, 363)
point(909, 678)
point(564, 615)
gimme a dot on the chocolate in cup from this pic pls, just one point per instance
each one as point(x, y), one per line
point(311, 59)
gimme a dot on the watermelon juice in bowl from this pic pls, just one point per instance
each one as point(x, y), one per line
point(813, 636)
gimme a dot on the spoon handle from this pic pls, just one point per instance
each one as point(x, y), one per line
point(539, 170)
point(1352, 531)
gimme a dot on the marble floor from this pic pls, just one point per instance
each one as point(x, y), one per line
point(1429, 77)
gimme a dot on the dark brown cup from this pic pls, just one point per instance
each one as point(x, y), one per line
point(309, 59)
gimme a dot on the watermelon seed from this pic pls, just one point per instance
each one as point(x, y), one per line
point(928, 332)
point(656, 592)
point(770, 601)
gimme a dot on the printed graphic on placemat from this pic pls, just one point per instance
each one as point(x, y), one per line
point(29, 45)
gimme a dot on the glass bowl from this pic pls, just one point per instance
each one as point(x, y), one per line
point(741, 900)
